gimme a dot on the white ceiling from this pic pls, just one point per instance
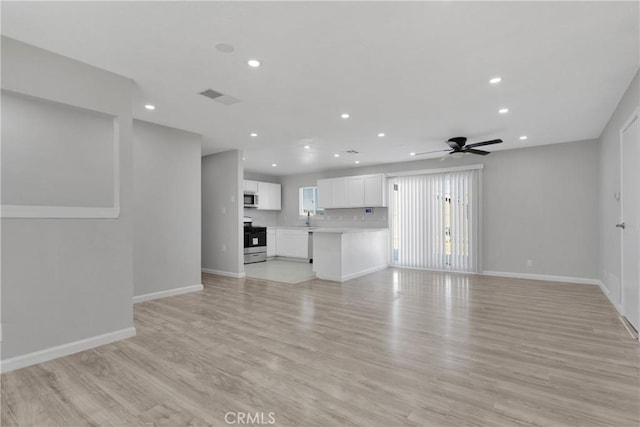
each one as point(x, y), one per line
point(416, 71)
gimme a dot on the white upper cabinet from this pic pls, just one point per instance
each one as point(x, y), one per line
point(269, 196)
point(355, 190)
point(275, 194)
point(325, 194)
point(374, 190)
point(250, 186)
point(340, 193)
point(363, 191)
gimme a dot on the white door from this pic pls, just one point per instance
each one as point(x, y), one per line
point(630, 226)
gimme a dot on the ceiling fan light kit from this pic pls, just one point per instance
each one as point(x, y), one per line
point(458, 147)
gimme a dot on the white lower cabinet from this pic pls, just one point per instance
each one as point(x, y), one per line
point(291, 243)
point(271, 242)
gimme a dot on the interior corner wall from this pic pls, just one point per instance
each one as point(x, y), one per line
point(222, 211)
point(609, 207)
point(70, 280)
point(167, 209)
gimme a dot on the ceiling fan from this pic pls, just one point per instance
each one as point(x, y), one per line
point(457, 145)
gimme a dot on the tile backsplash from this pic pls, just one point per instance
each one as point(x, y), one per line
point(355, 217)
point(262, 218)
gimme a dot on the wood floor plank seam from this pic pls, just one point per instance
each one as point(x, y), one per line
point(396, 347)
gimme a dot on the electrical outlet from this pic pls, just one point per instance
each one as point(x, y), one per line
point(529, 263)
point(224, 248)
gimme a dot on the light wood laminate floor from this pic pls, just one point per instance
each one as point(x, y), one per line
point(395, 348)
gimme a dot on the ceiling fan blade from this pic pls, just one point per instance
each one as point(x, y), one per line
point(480, 144)
point(471, 150)
point(429, 152)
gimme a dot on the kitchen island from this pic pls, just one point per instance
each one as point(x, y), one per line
point(341, 254)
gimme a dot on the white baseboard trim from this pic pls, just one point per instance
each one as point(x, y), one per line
point(437, 270)
point(224, 273)
point(543, 277)
point(606, 292)
point(290, 259)
point(167, 293)
point(51, 353)
point(346, 277)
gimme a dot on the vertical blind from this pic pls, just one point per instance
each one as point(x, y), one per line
point(435, 220)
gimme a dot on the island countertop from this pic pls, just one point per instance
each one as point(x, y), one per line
point(328, 229)
point(343, 230)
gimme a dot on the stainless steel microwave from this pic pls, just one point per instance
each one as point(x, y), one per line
point(250, 200)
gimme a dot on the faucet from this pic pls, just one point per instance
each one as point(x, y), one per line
point(308, 222)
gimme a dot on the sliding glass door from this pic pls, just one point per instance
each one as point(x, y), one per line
point(434, 220)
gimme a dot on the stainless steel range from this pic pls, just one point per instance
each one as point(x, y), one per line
point(255, 243)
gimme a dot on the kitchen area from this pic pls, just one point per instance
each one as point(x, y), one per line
point(334, 230)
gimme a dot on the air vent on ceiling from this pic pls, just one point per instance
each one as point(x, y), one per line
point(219, 97)
point(210, 93)
point(352, 151)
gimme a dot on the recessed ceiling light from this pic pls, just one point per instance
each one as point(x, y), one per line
point(243, 158)
point(412, 154)
point(336, 155)
point(523, 137)
point(344, 115)
point(381, 134)
point(503, 110)
point(273, 165)
point(495, 80)
point(306, 147)
point(253, 134)
point(356, 162)
point(224, 47)
point(253, 63)
point(150, 107)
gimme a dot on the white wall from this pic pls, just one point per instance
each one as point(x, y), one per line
point(539, 203)
point(222, 211)
point(65, 280)
point(609, 207)
point(167, 209)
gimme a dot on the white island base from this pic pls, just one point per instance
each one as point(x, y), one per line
point(344, 254)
